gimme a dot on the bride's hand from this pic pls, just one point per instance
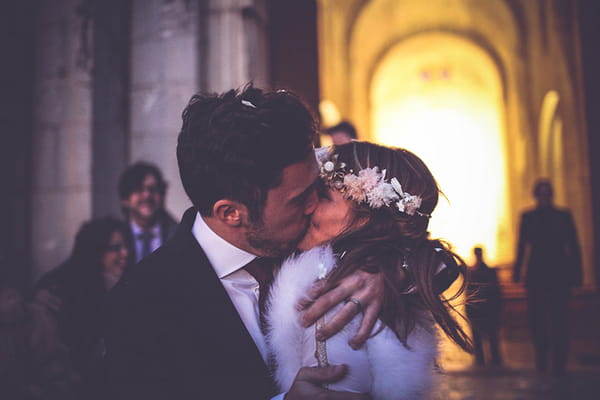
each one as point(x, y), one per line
point(366, 291)
point(309, 381)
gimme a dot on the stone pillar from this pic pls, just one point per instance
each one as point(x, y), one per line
point(236, 49)
point(16, 39)
point(61, 165)
point(164, 75)
point(110, 124)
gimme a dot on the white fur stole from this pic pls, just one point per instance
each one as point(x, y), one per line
point(392, 371)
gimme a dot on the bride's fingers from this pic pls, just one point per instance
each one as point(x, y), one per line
point(339, 320)
point(370, 315)
point(316, 290)
point(329, 300)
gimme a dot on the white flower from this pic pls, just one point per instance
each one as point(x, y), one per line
point(321, 153)
point(381, 195)
point(397, 186)
point(409, 204)
point(368, 186)
point(400, 205)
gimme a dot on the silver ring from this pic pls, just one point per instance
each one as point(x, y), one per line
point(357, 302)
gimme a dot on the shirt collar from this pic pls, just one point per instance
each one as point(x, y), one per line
point(224, 257)
point(136, 230)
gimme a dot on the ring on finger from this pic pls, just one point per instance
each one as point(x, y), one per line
point(357, 302)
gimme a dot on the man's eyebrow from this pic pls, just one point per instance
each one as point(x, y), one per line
point(306, 192)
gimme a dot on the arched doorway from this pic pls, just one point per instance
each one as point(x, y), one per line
point(441, 96)
point(550, 145)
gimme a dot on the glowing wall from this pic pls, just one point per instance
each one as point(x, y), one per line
point(488, 93)
point(440, 96)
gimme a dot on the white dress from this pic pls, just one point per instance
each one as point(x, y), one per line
point(383, 367)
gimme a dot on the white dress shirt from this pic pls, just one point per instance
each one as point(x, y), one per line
point(227, 261)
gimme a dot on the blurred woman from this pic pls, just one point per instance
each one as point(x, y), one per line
point(66, 307)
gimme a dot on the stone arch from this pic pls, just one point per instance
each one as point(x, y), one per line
point(354, 35)
point(382, 23)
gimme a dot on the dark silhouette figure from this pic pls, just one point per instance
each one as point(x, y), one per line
point(484, 308)
point(549, 248)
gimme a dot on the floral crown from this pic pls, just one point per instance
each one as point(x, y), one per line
point(369, 186)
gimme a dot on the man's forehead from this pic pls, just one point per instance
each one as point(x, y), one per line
point(299, 176)
point(149, 177)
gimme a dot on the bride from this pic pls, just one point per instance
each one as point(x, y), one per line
point(374, 209)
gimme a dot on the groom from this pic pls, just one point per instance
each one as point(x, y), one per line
point(184, 323)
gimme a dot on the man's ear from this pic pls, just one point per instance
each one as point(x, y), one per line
point(229, 212)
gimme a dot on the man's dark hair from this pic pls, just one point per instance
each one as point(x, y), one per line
point(236, 145)
point(343, 126)
point(132, 179)
point(541, 184)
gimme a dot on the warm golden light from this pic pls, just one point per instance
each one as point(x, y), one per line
point(330, 115)
point(440, 96)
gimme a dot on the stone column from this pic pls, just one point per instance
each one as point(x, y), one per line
point(61, 165)
point(110, 124)
point(164, 75)
point(236, 49)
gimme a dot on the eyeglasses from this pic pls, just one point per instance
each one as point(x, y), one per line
point(115, 248)
point(152, 189)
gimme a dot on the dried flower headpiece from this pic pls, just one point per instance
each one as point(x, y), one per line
point(369, 186)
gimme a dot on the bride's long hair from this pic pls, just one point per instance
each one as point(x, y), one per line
point(384, 239)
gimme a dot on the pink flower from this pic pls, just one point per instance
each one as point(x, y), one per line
point(354, 188)
point(370, 177)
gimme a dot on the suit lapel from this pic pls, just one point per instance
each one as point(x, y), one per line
point(217, 324)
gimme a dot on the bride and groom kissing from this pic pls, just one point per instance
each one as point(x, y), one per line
point(194, 320)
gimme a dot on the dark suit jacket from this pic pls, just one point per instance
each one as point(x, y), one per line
point(554, 254)
point(483, 289)
point(173, 333)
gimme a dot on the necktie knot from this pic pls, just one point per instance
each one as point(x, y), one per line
point(262, 270)
point(146, 239)
point(145, 236)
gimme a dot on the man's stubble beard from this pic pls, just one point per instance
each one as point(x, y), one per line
point(269, 246)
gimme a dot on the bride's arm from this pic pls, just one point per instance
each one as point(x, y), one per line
point(368, 289)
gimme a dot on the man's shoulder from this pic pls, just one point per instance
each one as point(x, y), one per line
point(142, 281)
point(564, 212)
point(168, 223)
point(155, 278)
